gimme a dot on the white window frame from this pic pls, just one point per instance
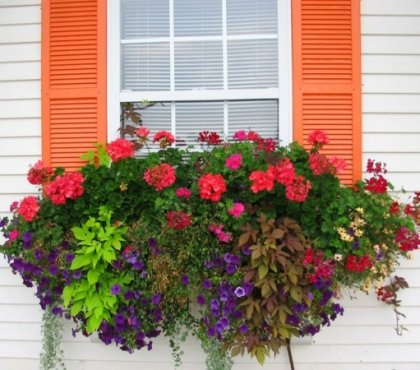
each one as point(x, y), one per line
point(283, 93)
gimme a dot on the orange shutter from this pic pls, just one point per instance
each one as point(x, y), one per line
point(73, 79)
point(327, 77)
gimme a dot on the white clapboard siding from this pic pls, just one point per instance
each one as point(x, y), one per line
point(363, 339)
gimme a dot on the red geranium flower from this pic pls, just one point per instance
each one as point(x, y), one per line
point(358, 264)
point(298, 190)
point(160, 176)
point(164, 138)
point(211, 138)
point(178, 219)
point(142, 133)
point(318, 138)
point(377, 184)
point(28, 208)
point(285, 172)
point(38, 174)
point(67, 186)
point(212, 187)
point(120, 149)
point(262, 180)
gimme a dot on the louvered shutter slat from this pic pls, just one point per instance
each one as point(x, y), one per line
point(73, 79)
point(327, 81)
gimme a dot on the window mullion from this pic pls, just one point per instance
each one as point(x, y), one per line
point(172, 63)
point(225, 69)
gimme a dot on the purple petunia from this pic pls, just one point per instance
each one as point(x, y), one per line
point(240, 292)
point(185, 280)
point(116, 289)
point(201, 300)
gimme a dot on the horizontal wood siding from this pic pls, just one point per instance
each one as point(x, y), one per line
point(363, 339)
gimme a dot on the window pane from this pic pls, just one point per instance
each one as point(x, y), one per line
point(198, 65)
point(144, 18)
point(198, 17)
point(252, 64)
point(257, 115)
point(145, 67)
point(251, 17)
point(193, 117)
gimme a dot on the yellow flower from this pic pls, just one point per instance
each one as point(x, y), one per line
point(360, 210)
point(358, 233)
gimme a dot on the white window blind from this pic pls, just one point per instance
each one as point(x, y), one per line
point(214, 64)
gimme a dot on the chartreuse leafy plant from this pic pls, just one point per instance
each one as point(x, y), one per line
point(99, 242)
point(244, 244)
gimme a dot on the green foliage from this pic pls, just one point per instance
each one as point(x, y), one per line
point(99, 241)
point(52, 356)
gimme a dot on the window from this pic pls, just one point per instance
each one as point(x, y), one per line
point(219, 65)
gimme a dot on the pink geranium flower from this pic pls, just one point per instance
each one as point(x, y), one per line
point(28, 208)
point(234, 162)
point(237, 210)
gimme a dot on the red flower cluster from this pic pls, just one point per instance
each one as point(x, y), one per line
point(297, 188)
point(394, 209)
point(385, 295)
point(120, 149)
point(408, 240)
point(164, 138)
point(262, 180)
point(39, 174)
point(183, 193)
point(268, 145)
point(142, 133)
point(285, 172)
point(322, 269)
point(377, 184)
point(211, 138)
point(212, 187)
point(358, 264)
point(160, 176)
point(375, 167)
point(318, 138)
point(67, 186)
point(178, 219)
point(28, 208)
point(320, 164)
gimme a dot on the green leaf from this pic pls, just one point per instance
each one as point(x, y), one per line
point(260, 355)
point(76, 308)
point(262, 271)
point(81, 261)
point(67, 294)
point(93, 276)
point(104, 158)
point(109, 256)
point(78, 233)
point(93, 323)
point(89, 156)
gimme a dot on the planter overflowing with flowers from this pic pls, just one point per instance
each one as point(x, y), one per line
point(260, 238)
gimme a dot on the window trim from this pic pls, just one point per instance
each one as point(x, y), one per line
point(283, 93)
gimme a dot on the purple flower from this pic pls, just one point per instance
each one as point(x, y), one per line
point(129, 294)
point(53, 270)
point(57, 311)
point(116, 289)
point(248, 288)
point(246, 252)
point(185, 280)
point(243, 329)
point(231, 269)
point(117, 265)
point(338, 309)
point(201, 300)
point(156, 299)
point(139, 265)
point(222, 324)
point(119, 319)
point(293, 320)
point(207, 284)
point(356, 244)
point(69, 258)
point(38, 254)
point(240, 292)
point(4, 221)
point(211, 332)
point(77, 275)
point(209, 264)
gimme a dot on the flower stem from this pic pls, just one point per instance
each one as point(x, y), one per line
point(289, 353)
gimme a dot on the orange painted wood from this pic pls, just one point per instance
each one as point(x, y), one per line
point(73, 79)
point(327, 77)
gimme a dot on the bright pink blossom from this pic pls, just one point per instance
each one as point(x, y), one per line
point(298, 190)
point(319, 163)
point(318, 138)
point(28, 208)
point(240, 135)
point(183, 193)
point(13, 206)
point(234, 162)
point(253, 136)
point(223, 236)
point(13, 235)
point(120, 149)
point(237, 210)
point(212, 187)
point(160, 176)
point(67, 186)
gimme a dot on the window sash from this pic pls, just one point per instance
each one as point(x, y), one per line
point(283, 93)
